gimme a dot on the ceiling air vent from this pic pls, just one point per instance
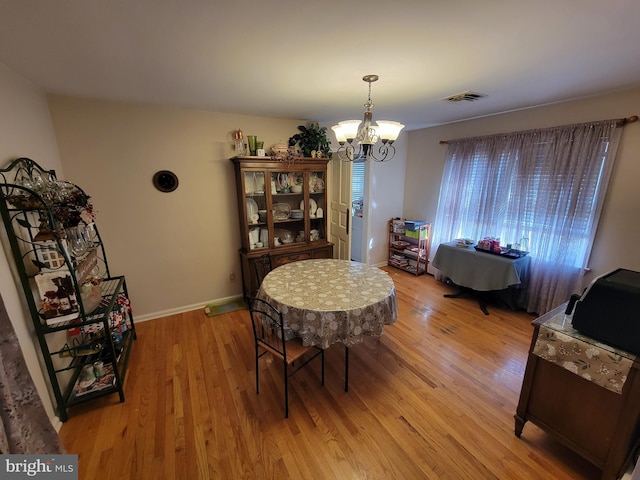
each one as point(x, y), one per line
point(464, 97)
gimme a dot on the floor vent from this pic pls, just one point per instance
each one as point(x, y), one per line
point(464, 97)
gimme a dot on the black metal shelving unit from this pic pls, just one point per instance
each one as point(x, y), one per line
point(85, 318)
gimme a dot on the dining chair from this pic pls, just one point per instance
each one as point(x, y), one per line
point(262, 266)
point(268, 332)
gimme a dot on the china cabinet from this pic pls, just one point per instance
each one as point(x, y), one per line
point(81, 313)
point(409, 245)
point(283, 212)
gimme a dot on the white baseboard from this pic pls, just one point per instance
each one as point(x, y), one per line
point(182, 309)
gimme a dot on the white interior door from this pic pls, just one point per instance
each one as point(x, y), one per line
point(340, 199)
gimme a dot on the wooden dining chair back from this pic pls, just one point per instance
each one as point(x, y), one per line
point(268, 332)
point(262, 266)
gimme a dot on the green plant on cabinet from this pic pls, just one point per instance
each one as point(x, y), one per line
point(311, 139)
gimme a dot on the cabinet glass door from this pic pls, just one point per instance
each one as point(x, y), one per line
point(317, 207)
point(256, 204)
point(287, 201)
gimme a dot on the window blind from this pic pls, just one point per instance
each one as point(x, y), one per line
point(357, 182)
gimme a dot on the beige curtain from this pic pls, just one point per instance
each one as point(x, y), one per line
point(25, 427)
point(540, 189)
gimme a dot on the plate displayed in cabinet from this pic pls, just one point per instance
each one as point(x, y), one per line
point(313, 206)
point(281, 211)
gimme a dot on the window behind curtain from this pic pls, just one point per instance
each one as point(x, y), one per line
point(357, 187)
point(575, 200)
point(542, 189)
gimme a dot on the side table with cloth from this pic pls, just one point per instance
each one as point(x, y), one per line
point(326, 301)
point(466, 267)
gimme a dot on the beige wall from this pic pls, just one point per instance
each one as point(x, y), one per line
point(385, 194)
point(25, 131)
point(619, 228)
point(177, 250)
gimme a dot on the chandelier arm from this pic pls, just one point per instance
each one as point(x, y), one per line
point(386, 152)
point(346, 152)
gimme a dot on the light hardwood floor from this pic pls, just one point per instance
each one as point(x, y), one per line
point(433, 398)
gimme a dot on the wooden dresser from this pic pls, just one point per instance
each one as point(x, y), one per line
point(585, 394)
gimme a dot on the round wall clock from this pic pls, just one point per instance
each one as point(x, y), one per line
point(165, 181)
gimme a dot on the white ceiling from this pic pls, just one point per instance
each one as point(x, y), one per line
point(305, 59)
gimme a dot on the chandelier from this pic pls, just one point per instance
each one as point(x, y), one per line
point(349, 134)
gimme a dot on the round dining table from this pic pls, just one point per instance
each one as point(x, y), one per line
point(327, 301)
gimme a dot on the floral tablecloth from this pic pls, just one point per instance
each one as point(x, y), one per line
point(325, 301)
point(558, 342)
